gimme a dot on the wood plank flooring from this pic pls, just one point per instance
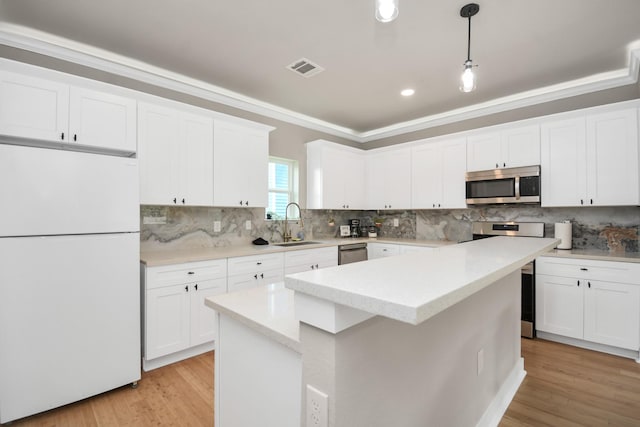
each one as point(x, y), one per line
point(565, 386)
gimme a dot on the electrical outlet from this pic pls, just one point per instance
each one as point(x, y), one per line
point(480, 361)
point(317, 408)
point(396, 222)
point(247, 224)
point(217, 226)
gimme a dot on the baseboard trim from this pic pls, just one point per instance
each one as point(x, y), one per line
point(502, 400)
point(158, 362)
point(616, 351)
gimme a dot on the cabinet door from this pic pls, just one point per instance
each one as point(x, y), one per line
point(167, 320)
point(612, 314)
point(453, 165)
point(483, 151)
point(241, 162)
point(334, 176)
point(563, 163)
point(389, 179)
point(243, 281)
point(612, 158)
point(426, 177)
point(521, 146)
point(33, 108)
point(99, 119)
point(196, 166)
point(158, 131)
point(204, 319)
point(353, 183)
point(381, 250)
point(271, 276)
point(559, 305)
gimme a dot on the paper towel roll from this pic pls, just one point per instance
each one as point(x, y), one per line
point(563, 232)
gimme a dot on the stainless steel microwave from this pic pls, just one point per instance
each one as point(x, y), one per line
point(509, 185)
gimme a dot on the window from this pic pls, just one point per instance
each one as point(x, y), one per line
point(283, 186)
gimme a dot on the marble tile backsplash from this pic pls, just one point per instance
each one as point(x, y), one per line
point(605, 228)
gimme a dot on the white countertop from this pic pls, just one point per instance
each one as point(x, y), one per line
point(596, 254)
point(168, 257)
point(414, 287)
point(268, 309)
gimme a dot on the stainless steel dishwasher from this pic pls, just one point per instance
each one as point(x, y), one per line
point(352, 252)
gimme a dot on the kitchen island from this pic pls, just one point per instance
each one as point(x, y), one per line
point(414, 340)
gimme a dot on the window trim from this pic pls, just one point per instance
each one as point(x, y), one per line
point(293, 182)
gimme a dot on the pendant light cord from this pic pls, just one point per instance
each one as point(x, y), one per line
point(469, 41)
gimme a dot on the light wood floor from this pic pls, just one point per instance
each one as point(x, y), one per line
point(565, 386)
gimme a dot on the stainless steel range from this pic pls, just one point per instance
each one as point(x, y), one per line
point(483, 229)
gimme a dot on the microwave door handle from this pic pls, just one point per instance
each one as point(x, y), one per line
point(517, 187)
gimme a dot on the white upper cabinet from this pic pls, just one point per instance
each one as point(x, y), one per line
point(99, 119)
point(33, 108)
point(389, 179)
point(39, 109)
point(335, 176)
point(241, 162)
point(437, 174)
point(509, 147)
point(176, 157)
point(591, 160)
point(612, 158)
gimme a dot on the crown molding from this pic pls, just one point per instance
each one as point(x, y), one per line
point(78, 53)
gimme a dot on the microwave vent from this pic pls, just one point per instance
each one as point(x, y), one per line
point(305, 68)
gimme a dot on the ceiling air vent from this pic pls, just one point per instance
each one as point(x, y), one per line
point(305, 68)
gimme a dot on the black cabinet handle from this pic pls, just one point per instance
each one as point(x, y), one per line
point(581, 202)
point(259, 263)
point(240, 202)
point(62, 136)
point(591, 201)
point(584, 269)
point(75, 137)
point(191, 272)
point(183, 201)
point(316, 265)
point(589, 283)
point(578, 283)
point(246, 203)
point(196, 286)
point(186, 288)
point(262, 275)
point(175, 200)
point(504, 165)
point(496, 166)
point(312, 267)
point(255, 276)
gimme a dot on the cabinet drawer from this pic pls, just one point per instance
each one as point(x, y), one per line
point(610, 271)
point(255, 263)
point(175, 274)
point(307, 257)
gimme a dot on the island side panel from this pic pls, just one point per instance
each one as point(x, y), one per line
point(386, 372)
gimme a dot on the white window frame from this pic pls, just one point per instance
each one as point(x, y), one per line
point(292, 186)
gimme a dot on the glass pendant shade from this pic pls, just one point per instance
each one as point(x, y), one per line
point(386, 10)
point(468, 78)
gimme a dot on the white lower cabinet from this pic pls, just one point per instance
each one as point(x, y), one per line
point(175, 318)
point(255, 270)
point(310, 259)
point(595, 301)
point(382, 250)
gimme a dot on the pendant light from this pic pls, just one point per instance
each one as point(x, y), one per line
point(386, 10)
point(468, 78)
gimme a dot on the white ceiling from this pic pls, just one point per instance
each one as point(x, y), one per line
point(542, 50)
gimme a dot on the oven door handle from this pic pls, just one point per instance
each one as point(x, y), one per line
point(518, 187)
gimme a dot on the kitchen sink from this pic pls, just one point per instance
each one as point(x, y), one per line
point(304, 242)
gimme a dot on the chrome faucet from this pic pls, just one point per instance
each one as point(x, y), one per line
point(287, 232)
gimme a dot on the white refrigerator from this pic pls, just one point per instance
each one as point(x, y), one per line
point(69, 277)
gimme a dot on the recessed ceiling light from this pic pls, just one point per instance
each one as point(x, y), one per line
point(407, 92)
